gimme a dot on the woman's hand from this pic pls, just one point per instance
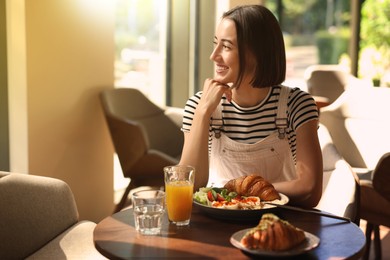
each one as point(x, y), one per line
point(195, 149)
point(212, 94)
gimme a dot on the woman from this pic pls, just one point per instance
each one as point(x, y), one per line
point(244, 121)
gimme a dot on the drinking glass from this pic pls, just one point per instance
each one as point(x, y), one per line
point(149, 206)
point(179, 186)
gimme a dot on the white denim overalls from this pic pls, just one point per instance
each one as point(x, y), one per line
point(271, 157)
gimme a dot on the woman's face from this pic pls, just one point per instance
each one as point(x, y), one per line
point(225, 54)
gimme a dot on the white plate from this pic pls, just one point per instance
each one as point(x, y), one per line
point(240, 214)
point(309, 244)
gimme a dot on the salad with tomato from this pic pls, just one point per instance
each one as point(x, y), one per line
point(222, 198)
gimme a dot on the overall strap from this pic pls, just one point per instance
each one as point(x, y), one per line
point(281, 117)
point(281, 122)
point(217, 121)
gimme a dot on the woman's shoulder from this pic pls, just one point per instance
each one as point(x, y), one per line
point(196, 97)
point(294, 93)
point(292, 90)
point(194, 100)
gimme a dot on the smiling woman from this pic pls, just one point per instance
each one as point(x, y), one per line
point(258, 126)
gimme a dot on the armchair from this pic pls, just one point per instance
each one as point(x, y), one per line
point(145, 136)
point(359, 122)
point(375, 203)
point(39, 220)
point(327, 81)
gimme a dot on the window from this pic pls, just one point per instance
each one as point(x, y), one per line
point(140, 55)
point(316, 32)
point(140, 38)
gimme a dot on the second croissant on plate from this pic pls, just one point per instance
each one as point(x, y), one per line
point(274, 234)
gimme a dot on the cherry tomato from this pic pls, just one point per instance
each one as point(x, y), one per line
point(210, 196)
point(220, 198)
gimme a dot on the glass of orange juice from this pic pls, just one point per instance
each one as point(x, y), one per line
point(179, 188)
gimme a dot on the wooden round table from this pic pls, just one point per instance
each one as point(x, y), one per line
point(116, 238)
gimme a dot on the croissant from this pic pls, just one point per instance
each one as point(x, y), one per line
point(253, 185)
point(273, 234)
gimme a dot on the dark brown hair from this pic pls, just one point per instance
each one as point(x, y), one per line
point(259, 35)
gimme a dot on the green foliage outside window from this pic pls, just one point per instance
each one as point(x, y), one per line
point(332, 44)
point(375, 28)
point(375, 38)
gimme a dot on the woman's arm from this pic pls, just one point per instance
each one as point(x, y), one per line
point(195, 149)
point(306, 190)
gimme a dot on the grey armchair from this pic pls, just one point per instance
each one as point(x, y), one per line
point(145, 136)
point(39, 220)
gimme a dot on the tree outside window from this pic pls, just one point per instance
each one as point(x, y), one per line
point(375, 41)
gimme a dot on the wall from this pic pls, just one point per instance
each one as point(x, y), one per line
point(179, 52)
point(17, 85)
point(4, 143)
point(68, 59)
point(206, 38)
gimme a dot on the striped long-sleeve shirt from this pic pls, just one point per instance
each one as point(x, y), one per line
point(252, 124)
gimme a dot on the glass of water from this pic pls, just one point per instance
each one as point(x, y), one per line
point(149, 206)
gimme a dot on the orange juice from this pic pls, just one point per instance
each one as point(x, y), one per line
point(179, 200)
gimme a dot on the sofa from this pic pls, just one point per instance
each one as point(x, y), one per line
point(39, 220)
point(341, 193)
point(359, 124)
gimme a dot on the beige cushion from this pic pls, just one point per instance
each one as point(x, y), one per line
point(339, 184)
point(330, 155)
point(340, 192)
point(75, 243)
